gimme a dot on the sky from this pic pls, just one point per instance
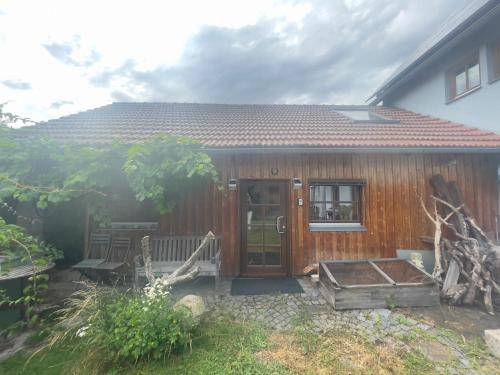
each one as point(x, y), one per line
point(62, 57)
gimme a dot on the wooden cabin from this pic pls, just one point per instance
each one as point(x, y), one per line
point(304, 183)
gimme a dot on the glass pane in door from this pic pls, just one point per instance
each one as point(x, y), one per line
point(264, 221)
point(273, 255)
point(255, 256)
point(255, 235)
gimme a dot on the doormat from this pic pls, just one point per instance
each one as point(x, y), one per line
point(254, 287)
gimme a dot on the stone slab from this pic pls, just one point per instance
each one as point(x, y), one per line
point(492, 338)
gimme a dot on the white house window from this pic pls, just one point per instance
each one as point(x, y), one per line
point(463, 78)
point(494, 61)
point(335, 205)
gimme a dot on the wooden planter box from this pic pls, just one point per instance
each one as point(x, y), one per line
point(378, 283)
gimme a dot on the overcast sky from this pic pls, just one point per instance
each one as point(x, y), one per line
point(60, 57)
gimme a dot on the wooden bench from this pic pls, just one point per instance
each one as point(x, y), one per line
point(170, 252)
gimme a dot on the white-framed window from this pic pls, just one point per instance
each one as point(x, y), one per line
point(494, 61)
point(463, 77)
point(335, 205)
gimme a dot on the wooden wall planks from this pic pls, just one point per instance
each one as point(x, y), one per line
point(391, 210)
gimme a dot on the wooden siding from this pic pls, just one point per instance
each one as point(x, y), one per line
point(391, 209)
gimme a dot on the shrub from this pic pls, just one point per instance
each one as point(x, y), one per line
point(126, 327)
point(130, 328)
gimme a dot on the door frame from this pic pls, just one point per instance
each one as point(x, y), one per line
point(285, 270)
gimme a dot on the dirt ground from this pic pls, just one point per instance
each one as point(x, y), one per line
point(469, 321)
point(62, 283)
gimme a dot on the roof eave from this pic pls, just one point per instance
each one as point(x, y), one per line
point(449, 150)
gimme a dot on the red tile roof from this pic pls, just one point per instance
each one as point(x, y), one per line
point(264, 126)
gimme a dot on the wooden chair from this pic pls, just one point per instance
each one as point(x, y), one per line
point(117, 256)
point(97, 253)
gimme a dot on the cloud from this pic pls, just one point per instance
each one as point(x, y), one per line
point(16, 85)
point(338, 53)
point(58, 104)
point(71, 53)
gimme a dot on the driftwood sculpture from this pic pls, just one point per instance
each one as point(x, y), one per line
point(184, 273)
point(464, 256)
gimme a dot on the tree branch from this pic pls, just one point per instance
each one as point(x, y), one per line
point(194, 257)
point(146, 255)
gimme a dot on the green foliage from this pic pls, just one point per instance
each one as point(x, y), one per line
point(161, 169)
point(129, 328)
point(44, 171)
point(7, 118)
point(16, 244)
point(220, 346)
point(415, 362)
point(124, 327)
point(390, 302)
point(48, 173)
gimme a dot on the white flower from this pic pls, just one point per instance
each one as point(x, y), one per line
point(157, 292)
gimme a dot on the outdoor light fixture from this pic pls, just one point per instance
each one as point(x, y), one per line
point(232, 185)
point(297, 183)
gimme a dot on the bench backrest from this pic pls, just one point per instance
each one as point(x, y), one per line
point(180, 248)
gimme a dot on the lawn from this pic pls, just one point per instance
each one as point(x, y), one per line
point(220, 347)
point(227, 346)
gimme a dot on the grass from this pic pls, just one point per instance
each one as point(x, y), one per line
point(340, 353)
point(221, 347)
point(225, 346)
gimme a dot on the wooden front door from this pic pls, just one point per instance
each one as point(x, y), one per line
point(264, 245)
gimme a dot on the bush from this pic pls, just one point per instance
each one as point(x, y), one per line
point(130, 328)
point(124, 328)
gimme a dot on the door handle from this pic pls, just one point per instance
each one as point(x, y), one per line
point(280, 228)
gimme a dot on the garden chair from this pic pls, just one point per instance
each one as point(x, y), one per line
point(117, 257)
point(97, 253)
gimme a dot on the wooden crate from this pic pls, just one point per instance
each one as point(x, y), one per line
point(377, 283)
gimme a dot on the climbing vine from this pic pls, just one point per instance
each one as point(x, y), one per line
point(46, 172)
point(43, 173)
point(162, 168)
point(21, 248)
